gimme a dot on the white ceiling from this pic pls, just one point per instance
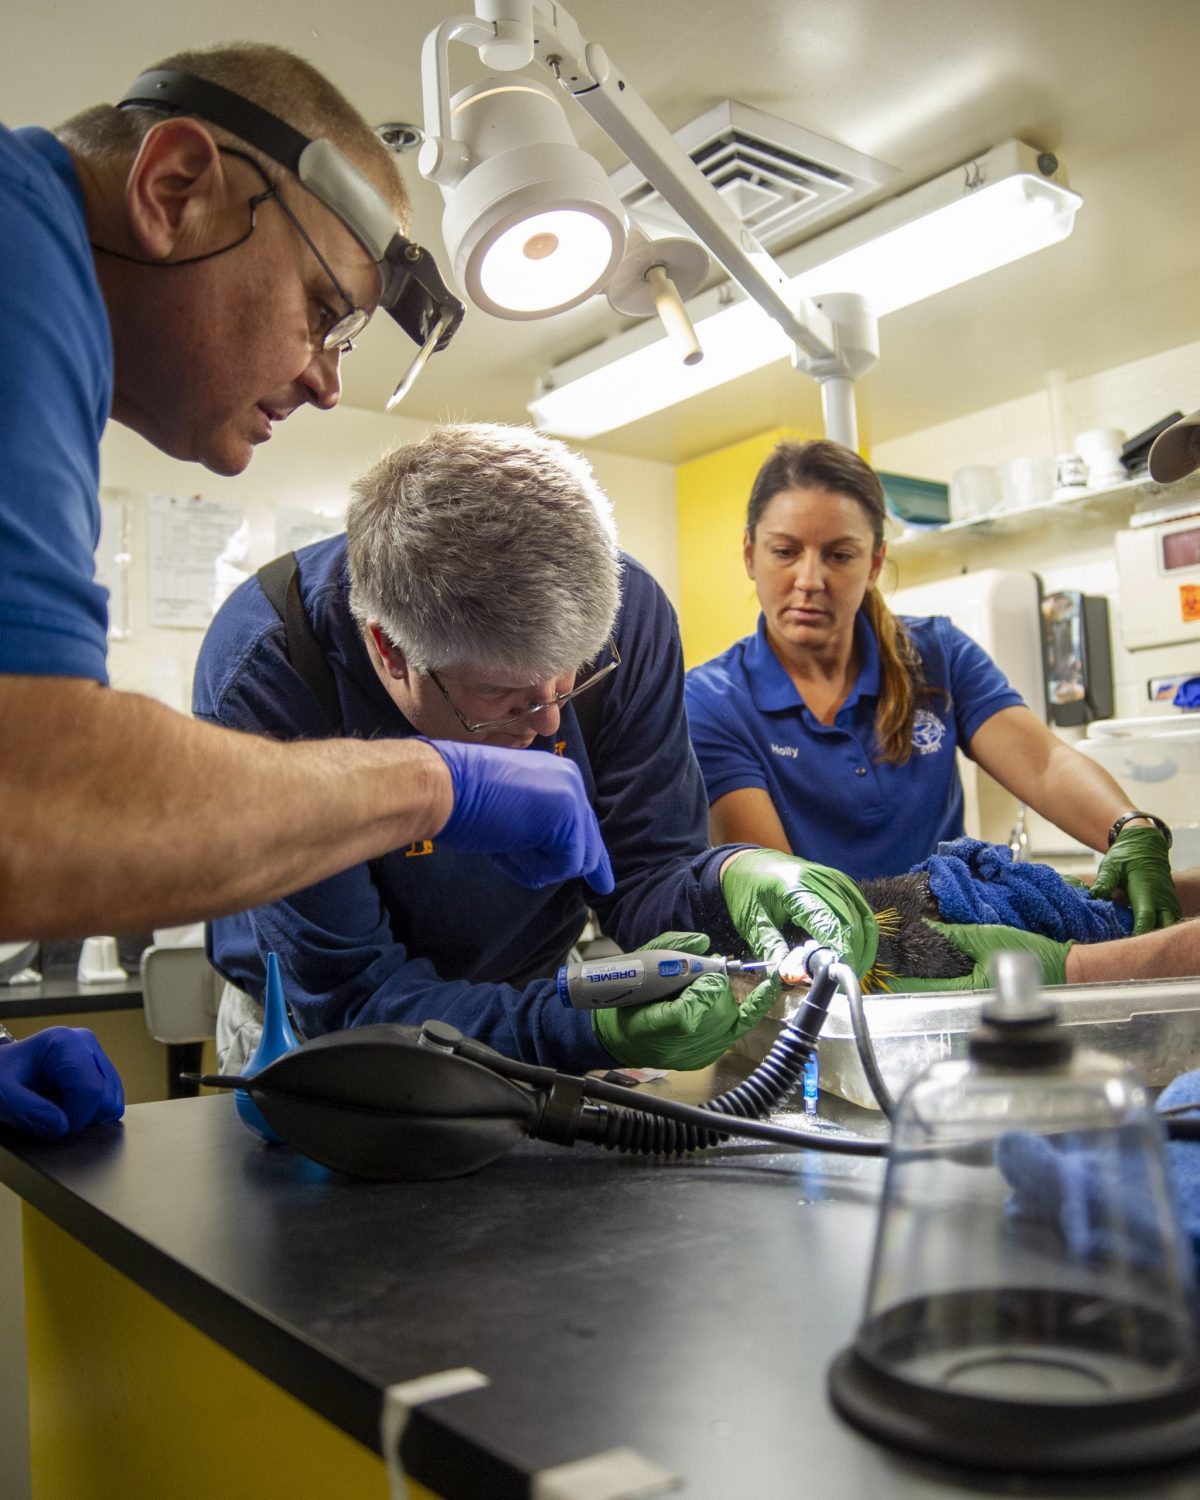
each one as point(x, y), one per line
point(1108, 85)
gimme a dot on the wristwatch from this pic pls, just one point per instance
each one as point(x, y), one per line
point(1129, 817)
point(5, 1034)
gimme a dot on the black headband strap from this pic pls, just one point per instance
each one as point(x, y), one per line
point(185, 93)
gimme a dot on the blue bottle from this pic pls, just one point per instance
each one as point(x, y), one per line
point(277, 1038)
point(811, 1085)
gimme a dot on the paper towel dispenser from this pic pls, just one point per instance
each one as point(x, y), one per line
point(1078, 661)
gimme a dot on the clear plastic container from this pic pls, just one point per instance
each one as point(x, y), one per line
point(1157, 762)
point(1153, 1024)
point(1030, 1297)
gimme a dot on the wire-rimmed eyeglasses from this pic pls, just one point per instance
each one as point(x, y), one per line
point(534, 708)
point(342, 332)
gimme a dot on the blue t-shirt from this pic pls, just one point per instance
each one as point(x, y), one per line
point(430, 932)
point(839, 805)
point(56, 365)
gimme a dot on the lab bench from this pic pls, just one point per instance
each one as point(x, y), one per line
point(114, 1012)
point(211, 1315)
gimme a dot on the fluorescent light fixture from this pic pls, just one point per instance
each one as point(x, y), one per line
point(967, 222)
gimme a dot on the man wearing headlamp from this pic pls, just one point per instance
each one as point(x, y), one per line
point(196, 262)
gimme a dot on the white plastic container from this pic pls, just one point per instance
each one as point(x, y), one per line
point(1157, 762)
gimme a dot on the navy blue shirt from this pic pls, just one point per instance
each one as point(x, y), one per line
point(838, 803)
point(428, 932)
point(56, 366)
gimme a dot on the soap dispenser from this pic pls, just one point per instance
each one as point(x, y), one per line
point(277, 1038)
point(1030, 1300)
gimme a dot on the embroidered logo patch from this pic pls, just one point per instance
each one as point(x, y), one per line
point(928, 732)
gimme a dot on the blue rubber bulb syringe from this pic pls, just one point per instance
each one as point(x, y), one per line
point(277, 1038)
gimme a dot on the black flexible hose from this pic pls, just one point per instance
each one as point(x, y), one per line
point(862, 1040)
point(662, 1127)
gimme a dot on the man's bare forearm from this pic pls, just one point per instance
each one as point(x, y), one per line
point(117, 814)
point(1170, 953)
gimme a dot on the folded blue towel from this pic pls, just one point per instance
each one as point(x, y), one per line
point(1104, 1201)
point(977, 882)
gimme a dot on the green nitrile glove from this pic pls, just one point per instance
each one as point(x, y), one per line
point(767, 892)
point(980, 943)
point(1139, 863)
point(690, 1030)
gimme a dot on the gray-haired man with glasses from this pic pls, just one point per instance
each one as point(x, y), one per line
point(479, 596)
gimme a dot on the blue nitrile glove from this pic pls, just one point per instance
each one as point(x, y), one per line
point(1139, 863)
point(690, 1030)
point(767, 892)
point(57, 1081)
point(528, 811)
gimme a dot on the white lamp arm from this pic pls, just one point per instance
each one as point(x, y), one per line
point(584, 70)
point(508, 34)
point(443, 159)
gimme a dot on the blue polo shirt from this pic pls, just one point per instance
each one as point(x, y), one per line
point(56, 366)
point(838, 804)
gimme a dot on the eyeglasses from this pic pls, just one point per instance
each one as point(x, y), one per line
point(534, 708)
point(342, 332)
point(412, 290)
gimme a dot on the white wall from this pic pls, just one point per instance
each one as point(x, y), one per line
point(1131, 397)
point(310, 465)
point(1077, 553)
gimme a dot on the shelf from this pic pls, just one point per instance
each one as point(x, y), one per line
point(1086, 506)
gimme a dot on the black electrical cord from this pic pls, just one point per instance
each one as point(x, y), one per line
point(698, 1119)
point(862, 1040)
point(653, 1126)
point(364, 1102)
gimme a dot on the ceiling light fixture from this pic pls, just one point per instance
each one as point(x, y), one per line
point(533, 226)
point(969, 221)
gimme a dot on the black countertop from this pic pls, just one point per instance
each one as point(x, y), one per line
point(57, 995)
point(687, 1310)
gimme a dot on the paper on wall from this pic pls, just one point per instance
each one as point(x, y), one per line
point(189, 536)
point(295, 528)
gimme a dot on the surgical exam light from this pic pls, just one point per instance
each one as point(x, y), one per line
point(531, 225)
point(505, 165)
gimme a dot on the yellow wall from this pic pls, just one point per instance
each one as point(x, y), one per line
point(716, 600)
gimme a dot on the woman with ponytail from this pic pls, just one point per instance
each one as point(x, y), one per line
point(831, 732)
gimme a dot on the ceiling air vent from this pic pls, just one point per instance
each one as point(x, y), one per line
point(781, 181)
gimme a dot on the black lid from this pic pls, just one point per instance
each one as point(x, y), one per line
point(1028, 1036)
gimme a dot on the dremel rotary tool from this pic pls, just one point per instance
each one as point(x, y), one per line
point(636, 978)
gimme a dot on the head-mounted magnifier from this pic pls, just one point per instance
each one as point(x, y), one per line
point(413, 291)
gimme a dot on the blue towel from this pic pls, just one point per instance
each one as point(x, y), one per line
point(1106, 1202)
point(977, 882)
